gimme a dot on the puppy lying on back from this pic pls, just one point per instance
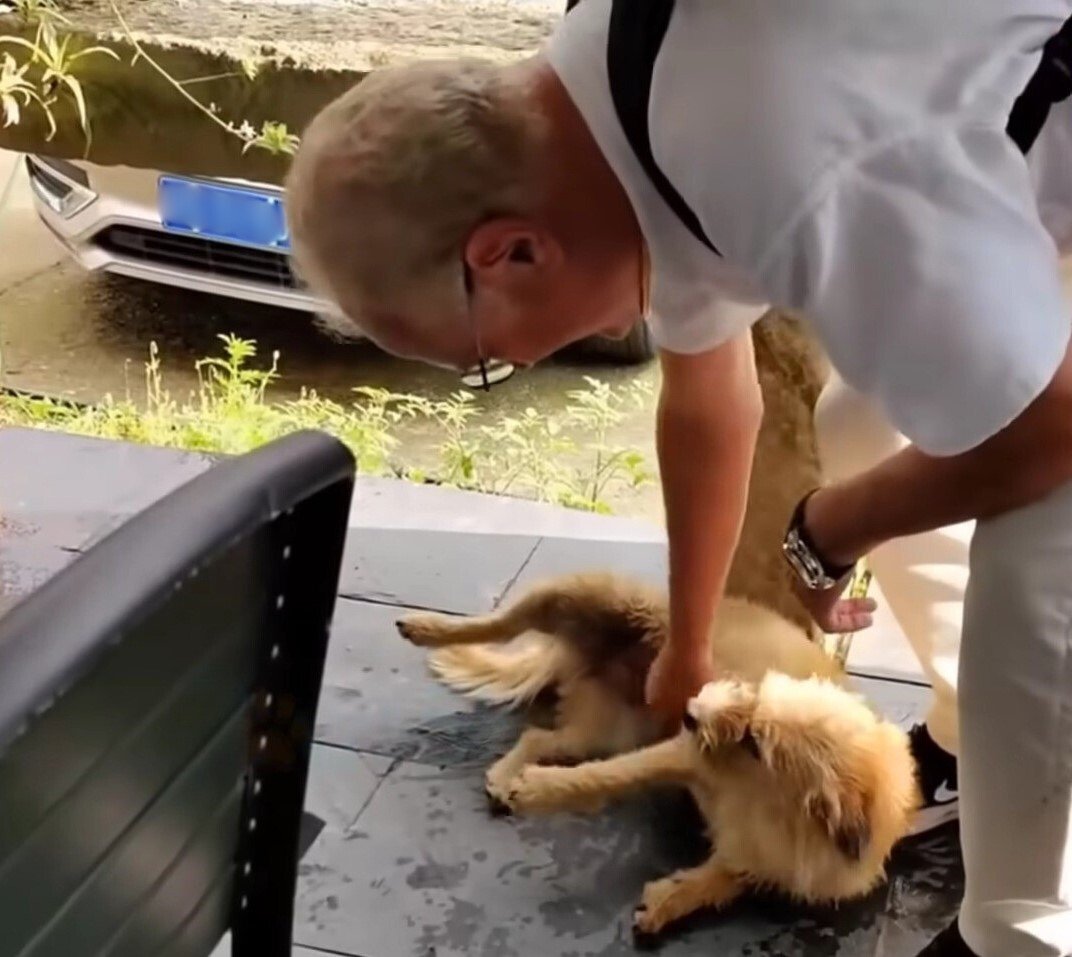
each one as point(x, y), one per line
point(803, 788)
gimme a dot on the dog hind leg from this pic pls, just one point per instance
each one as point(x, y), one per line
point(433, 630)
point(536, 610)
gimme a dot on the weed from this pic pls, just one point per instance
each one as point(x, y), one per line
point(569, 457)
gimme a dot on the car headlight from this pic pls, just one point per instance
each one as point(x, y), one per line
point(60, 185)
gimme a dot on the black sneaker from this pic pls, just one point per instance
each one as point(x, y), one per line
point(948, 943)
point(937, 774)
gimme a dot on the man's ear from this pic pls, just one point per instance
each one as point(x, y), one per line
point(497, 247)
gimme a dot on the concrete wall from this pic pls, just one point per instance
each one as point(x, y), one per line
point(308, 53)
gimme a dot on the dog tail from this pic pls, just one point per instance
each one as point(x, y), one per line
point(505, 676)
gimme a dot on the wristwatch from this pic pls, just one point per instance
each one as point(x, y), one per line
point(815, 572)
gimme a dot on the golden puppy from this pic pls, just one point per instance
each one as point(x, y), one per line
point(592, 638)
point(803, 787)
point(804, 790)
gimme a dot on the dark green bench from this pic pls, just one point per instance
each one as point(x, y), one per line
point(157, 705)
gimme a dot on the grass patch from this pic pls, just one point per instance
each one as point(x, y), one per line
point(568, 458)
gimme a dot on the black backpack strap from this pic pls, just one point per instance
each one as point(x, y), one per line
point(1050, 84)
point(637, 29)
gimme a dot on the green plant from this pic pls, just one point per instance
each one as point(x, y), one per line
point(569, 458)
point(597, 411)
point(459, 451)
point(50, 70)
point(272, 137)
point(16, 92)
point(525, 455)
point(51, 63)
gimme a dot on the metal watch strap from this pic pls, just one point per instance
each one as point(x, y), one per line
point(804, 558)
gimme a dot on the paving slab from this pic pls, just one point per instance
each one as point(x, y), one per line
point(26, 565)
point(378, 697)
point(646, 561)
point(448, 571)
point(423, 870)
point(392, 503)
point(340, 784)
point(223, 949)
point(69, 491)
point(883, 651)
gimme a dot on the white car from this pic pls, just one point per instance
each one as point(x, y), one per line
point(221, 236)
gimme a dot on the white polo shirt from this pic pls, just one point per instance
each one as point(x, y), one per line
point(849, 160)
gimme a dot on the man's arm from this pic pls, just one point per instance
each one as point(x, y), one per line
point(912, 492)
point(709, 413)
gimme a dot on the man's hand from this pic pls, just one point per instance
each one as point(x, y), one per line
point(834, 613)
point(675, 677)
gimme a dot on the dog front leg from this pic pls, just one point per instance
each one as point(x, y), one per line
point(534, 745)
point(590, 786)
point(669, 900)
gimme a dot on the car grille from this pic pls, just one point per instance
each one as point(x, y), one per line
point(210, 257)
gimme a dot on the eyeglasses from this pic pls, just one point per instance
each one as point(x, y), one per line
point(486, 372)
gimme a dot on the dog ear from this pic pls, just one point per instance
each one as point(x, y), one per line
point(841, 811)
point(749, 743)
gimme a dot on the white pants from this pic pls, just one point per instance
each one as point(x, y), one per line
point(1011, 723)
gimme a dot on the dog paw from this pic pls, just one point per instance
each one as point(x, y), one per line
point(542, 790)
point(643, 938)
point(650, 917)
point(425, 630)
point(528, 792)
point(497, 790)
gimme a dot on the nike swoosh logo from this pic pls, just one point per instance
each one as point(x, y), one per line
point(943, 795)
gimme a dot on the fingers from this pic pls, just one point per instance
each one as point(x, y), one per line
point(852, 614)
point(667, 706)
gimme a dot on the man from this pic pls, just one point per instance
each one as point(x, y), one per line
point(855, 161)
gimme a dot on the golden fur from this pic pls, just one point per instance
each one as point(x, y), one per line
point(803, 788)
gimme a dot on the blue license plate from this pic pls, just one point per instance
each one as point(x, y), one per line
point(233, 214)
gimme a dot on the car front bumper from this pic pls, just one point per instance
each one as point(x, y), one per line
point(107, 220)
